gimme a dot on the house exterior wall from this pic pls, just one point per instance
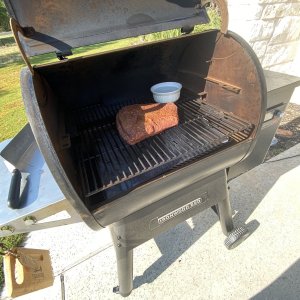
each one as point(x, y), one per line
point(272, 28)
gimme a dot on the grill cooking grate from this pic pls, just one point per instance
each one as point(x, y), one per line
point(106, 161)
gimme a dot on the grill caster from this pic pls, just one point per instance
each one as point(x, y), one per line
point(236, 237)
point(116, 289)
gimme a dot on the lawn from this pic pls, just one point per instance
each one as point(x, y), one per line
point(12, 114)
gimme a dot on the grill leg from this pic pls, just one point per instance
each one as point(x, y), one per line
point(125, 270)
point(124, 265)
point(225, 215)
point(235, 236)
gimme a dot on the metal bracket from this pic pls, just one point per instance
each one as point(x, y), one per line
point(225, 85)
point(16, 29)
point(222, 5)
point(187, 29)
point(65, 141)
point(62, 55)
point(34, 220)
point(64, 137)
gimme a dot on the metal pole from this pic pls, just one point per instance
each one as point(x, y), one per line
point(125, 270)
point(62, 285)
point(225, 214)
point(124, 256)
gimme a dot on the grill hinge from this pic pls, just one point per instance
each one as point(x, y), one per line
point(62, 55)
point(187, 29)
point(16, 29)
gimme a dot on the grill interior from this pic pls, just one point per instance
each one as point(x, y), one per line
point(76, 101)
point(108, 166)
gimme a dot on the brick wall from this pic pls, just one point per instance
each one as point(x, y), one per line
point(272, 27)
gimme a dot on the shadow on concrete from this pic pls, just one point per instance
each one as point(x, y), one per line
point(176, 241)
point(281, 287)
point(172, 244)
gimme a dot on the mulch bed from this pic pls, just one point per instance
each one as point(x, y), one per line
point(288, 133)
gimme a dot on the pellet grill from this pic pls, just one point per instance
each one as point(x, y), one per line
point(76, 160)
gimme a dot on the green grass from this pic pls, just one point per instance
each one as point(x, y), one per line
point(12, 114)
point(5, 35)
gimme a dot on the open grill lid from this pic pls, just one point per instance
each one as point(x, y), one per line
point(54, 25)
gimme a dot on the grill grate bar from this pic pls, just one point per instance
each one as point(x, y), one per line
point(209, 116)
point(106, 161)
point(229, 119)
point(93, 182)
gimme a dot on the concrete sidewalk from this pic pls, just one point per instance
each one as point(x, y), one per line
point(190, 261)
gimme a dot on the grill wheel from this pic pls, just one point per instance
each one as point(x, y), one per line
point(236, 237)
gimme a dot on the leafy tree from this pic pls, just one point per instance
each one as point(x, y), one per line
point(4, 18)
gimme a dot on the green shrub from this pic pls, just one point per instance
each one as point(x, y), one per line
point(4, 18)
point(9, 242)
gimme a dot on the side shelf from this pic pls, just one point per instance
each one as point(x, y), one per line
point(280, 88)
point(41, 198)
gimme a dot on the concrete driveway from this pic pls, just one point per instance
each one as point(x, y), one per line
point(190, 261)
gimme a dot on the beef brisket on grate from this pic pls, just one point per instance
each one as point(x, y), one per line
point(140, 121)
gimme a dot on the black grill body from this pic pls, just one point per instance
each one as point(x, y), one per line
point(71, 107)
point(142, 190)
point(226, 122)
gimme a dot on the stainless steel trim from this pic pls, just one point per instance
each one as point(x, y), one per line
point(41, 198)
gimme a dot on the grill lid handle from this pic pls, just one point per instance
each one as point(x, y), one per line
point(13, 199)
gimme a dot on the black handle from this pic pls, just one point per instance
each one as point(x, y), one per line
point(13, 200)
